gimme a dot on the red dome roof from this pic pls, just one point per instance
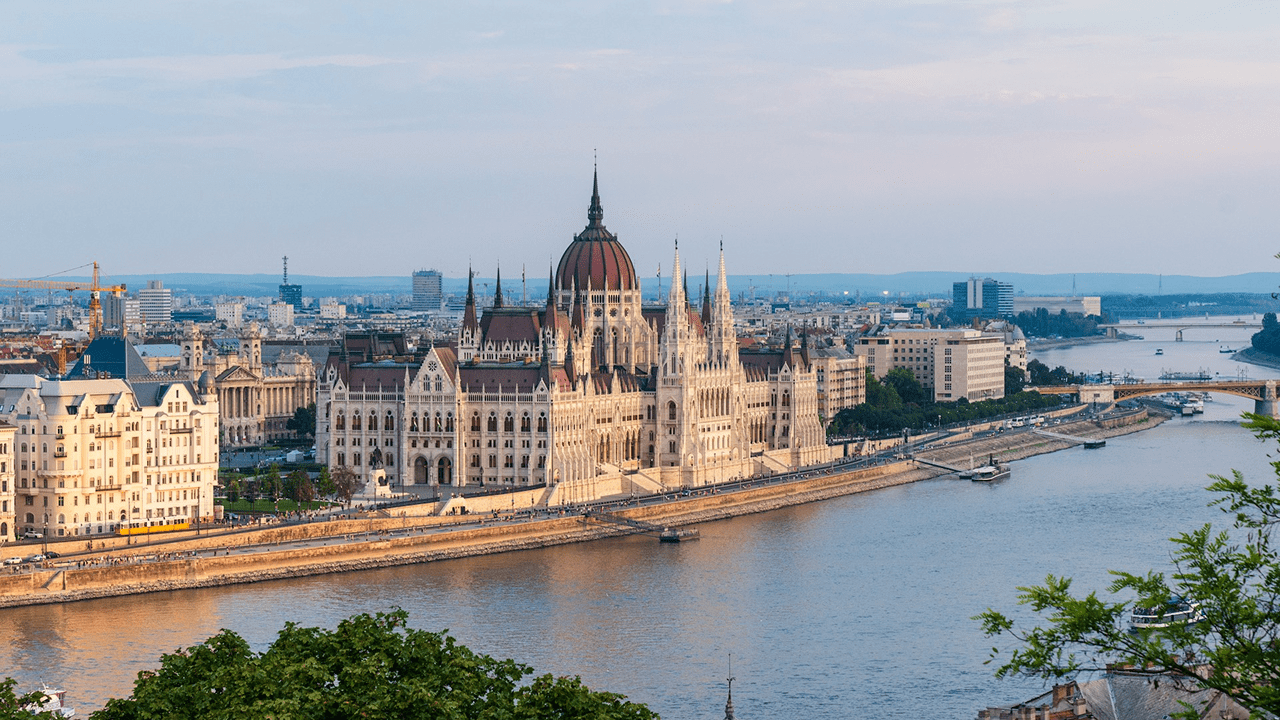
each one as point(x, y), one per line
point(595, 256)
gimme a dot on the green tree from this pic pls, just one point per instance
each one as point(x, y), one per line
point(299, 487)
point(371, 666)
point(272, 484)
point(1233, 576)
point(233, 490)
point(881, 395)
point(324, 483)
point(904, 382)
point(303, 422)
point(1014, 380)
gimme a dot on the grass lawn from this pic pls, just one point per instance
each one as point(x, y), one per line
point(285, 505)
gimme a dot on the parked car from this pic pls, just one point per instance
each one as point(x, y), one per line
point(32, 535)
point(51, 555)
point(37, 558)
point(13, 561)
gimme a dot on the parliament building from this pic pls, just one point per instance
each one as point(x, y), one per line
point(591, 394)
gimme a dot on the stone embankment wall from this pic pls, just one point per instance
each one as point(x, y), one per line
point(338, 554)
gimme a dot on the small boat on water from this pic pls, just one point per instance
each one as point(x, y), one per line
point(55, 703)
point(1159, 351)
point(675, 535)
point(1176, 611)
point(990, 473)
point(1225, 350)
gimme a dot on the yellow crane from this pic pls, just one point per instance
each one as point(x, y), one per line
point(94, 287)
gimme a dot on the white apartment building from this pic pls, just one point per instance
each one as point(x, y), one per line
point(842, 379)
point(952, 364)
point(231, 313)
point(8, 530)
point(331, 309)
point(95, 456)
point(280, 314)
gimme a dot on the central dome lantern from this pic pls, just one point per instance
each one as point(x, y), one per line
point(595, 258)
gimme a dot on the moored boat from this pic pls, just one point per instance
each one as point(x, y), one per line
point(1176, 611)
point(990, 473)
point(675, 535)
point(55, 702)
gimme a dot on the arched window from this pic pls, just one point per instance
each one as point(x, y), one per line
point(355, 421)
point(475, 422)
point(448, 423)
point(671, 410)
point(493, 422)
point(373, 421)
point(524, 423)
point(389, 422)
point(413, 423)
point(542, 422)
point(786, 399)
point(509, 424)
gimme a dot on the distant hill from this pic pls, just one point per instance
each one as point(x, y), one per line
point(933, 283)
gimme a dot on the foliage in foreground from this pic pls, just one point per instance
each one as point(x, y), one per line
point(1233, 575)
point(369, 667)
point(13, 706)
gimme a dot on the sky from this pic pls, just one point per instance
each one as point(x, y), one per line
point(375, 138)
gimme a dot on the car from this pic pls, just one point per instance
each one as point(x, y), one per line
point(52, 555)
point(37, 558)
point(32, 535)
point(13, 561)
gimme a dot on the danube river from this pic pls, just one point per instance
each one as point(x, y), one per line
point(855, 607)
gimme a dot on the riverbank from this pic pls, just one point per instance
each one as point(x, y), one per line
point(1254, 356)
point(377, 542)
point(1033, 345)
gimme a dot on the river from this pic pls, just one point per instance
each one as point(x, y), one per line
point(854, 607)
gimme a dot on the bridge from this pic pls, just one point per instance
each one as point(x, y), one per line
point(1114, 329)
point(1262, 392)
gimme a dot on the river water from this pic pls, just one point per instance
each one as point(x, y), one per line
point(854, 607)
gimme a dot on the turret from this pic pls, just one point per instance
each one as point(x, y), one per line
point(787, 358)
point(469, 333)
point(497, 290)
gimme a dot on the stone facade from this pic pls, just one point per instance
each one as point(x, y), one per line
point(592, 394)
point(8, 529)
point(257, 400)
point(95, 455)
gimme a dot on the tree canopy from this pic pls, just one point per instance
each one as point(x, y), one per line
point(371, 666)
point(1232, 576)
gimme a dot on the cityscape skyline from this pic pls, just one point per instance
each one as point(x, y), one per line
point(878, 137)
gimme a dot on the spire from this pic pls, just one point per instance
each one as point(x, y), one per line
point(804, 346)
point(686, 288)
point(673, 295)
point(469, 315)
point(551, 295)
point(595, 214)
point(706, 300)
point(569, 368)
point(497, 291)
point(787, 358)
point(728, 704)
point(577, 318)
point(722, 279)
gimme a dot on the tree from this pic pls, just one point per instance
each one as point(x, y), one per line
point(303, 422)
point(272, 485)
point(1014, 380)
point(904, 382)
point(346, 483)
point(233, 490)
point(371, 666)
point(1233, 577)
point(324, 483)
point(299, 487)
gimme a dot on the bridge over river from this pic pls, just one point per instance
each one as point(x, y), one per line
point(1262, 392)
point(1114, 329)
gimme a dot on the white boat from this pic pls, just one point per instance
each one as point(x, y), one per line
point(55, 702)
point(1176, 611)
point(1159, 351)
point(990, 473)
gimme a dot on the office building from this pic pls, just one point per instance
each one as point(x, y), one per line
point(982, 298)
point(427, 291)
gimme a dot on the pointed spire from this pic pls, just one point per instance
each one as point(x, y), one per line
point(578, 319)
point(722, 279)
point(686, 288)
point(551, 294)
point(569, 368)
point(595, 214)
point(706, 300)
point(469, 314)
point(787, 358)
point(728, 704)
point(673, 295)
point(804, 346)
point(497, 290)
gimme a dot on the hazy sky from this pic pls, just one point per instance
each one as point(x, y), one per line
point(373, 138)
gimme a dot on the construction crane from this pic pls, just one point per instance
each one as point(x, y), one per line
point(94, 287)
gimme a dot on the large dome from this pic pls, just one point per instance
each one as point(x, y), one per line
point(595, 257)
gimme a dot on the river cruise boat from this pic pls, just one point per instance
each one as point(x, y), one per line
point(1176, 611)
point(1159, 351)
point(675, 535)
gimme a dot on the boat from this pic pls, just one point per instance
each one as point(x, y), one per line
point(675, 535)
point(1225, 350)
point(1159, 351)
point(990, 473)
point(1176, 611)
point(55, 702)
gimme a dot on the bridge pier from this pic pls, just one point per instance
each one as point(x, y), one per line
point(1267, 404)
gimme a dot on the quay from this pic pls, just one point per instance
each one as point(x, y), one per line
point(385, 539)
